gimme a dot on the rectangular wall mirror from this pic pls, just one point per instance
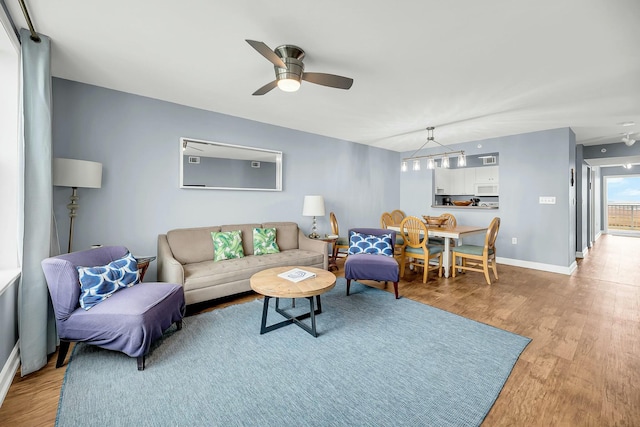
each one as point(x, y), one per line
point(218, 166)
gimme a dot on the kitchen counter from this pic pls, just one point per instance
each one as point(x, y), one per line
point(463, 207)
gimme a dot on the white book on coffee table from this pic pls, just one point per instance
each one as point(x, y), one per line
point(296, 275)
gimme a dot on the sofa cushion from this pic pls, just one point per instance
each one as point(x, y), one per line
point(190, 245)
point(209, 273)
point(247, 235)
point(286, 234)
point(227, 245)
point(264, 241)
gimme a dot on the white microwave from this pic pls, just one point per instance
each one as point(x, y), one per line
point(486, 189)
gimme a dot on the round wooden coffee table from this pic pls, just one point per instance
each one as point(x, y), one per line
point(270, 285)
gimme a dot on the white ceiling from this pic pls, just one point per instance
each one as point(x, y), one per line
point(473, 69)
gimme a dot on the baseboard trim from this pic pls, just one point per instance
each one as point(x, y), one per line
point(9, 371)
point(583, 253)
point(539, 266)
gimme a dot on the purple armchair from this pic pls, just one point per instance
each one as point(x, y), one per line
point(128, 321)
point(381, 268)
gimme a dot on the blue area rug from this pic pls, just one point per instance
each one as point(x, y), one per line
point(377, 361)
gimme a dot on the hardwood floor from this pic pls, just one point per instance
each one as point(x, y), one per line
point(582, 367)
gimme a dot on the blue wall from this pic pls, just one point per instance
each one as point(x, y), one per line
point(531, 165)
point(137, 140)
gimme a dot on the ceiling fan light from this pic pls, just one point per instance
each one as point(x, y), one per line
point(289, 85)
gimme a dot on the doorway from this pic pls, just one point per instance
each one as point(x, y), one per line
point(622, 204)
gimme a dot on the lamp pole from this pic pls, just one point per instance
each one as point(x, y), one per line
point(73, 207)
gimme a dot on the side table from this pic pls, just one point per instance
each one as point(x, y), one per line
point(332, 258)
point(143, 264)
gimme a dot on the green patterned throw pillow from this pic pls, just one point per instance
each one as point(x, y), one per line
point(264, 241)
point(227, 245)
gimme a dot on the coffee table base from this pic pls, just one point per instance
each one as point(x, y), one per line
point(291, 319)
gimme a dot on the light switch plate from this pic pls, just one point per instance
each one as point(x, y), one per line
point(547, 200)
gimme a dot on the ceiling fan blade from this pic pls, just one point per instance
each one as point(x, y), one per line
point(266, 51)
point(266, 88)
point(330, 80)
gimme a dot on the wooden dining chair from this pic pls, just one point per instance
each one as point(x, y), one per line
point(341, 246)
point(386, 220)
point(476, 257)
point(416, 251)
point(397, 215)
point(450, 223)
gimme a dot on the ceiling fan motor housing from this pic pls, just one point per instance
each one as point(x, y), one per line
point(292, 56)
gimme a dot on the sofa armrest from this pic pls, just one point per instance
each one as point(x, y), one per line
point(314, 245)
point(169, 269)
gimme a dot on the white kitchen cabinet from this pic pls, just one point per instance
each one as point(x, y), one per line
point(487, 175)
point(469, 181)
point(487, 181)
point(442, 178)
point(453, 182)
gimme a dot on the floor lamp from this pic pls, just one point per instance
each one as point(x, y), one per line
point(313, 206)
point(76, 173)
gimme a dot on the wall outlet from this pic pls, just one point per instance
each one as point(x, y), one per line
point(514, 240)
point(548, 200)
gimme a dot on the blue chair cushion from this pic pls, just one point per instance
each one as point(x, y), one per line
point(372, 267)
point(130, 320)
point(471, 250)
point(433, 249)
point(342, 241)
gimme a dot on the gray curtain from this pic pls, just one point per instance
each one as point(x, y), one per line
point(36, 323)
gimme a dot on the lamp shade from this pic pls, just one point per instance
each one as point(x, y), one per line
point(313, 206)
point(77, 173)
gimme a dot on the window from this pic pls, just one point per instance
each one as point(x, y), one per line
point(623, 204)
point(9, 168)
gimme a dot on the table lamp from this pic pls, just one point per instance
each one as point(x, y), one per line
point(76, 173)
point(313, 206)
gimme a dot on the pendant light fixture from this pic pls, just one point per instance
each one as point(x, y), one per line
point(431, 158)
point(462, 160)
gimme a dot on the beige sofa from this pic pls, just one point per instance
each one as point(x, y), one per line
point(185, 256)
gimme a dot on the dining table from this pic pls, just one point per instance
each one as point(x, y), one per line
point(458, 232)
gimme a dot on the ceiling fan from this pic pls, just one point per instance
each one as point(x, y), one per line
point(289, 68)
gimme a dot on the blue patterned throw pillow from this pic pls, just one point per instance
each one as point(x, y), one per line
point(370, 244)
point(99, 283)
